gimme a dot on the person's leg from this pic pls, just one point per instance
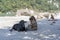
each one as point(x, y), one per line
point(15, 26)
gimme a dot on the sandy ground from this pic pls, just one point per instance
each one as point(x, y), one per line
point(10, 21)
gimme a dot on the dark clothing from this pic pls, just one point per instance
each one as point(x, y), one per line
point(19, 27)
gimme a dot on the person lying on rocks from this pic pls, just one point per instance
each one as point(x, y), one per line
point(19, 26)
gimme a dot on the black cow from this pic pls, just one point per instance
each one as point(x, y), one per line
point(19, 27)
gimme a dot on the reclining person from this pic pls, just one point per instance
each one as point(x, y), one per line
point(19, 27)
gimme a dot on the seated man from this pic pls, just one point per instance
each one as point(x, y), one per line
point(52, 18)
point(33, 23)
point(19, 27)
